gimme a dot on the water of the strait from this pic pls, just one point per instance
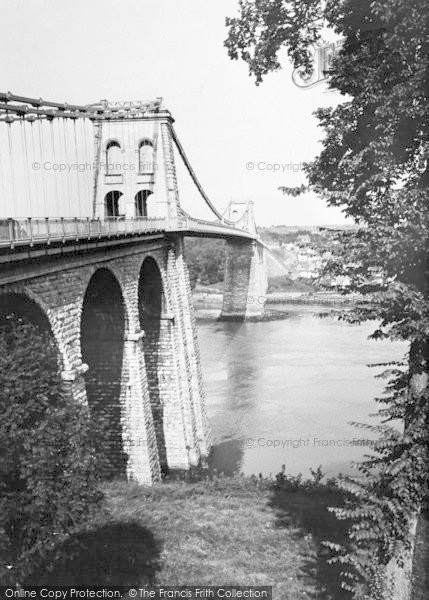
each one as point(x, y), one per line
point(284, 392)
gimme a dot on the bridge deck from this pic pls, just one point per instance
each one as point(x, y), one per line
point(29, 232)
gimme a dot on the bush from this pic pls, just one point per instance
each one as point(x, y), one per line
point(48, 483)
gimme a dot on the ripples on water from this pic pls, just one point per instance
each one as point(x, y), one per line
point(296, 383)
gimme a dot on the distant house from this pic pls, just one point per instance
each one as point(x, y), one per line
point(304, 239)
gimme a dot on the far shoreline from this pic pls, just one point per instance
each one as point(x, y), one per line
point(208, 302)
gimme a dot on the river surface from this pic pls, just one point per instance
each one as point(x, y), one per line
point(284, 392)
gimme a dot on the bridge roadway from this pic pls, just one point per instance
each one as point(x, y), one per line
point(36, 233)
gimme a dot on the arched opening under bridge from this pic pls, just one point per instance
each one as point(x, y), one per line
point(150, 303)
point(102, 344)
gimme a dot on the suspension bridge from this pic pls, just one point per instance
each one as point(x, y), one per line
point(92, 229)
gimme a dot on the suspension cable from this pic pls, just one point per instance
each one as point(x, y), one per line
point(195, 179)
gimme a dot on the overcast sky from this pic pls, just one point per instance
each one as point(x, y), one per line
point(82, 51)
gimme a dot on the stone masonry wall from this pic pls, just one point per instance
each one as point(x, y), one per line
point(59, 289)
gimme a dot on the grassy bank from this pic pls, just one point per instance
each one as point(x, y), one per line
point(227, 531)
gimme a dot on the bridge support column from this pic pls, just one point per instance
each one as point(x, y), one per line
point(137, 424)
point(202, 429)
point(73, 383)
point(196, 428)
point(167, 396)
point(245, 281)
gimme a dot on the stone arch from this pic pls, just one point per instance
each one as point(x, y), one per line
point(103, 325)
point(29, 366)
point(151, 304)
point(117, 272)
point(165, 289)
point(26, 301)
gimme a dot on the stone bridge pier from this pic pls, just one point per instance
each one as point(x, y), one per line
point(122, 320)
point(245, 280)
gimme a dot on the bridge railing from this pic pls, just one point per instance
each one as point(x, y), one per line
point(120, 225)
point(191, 224)
point(20, 232)
point(30, 231)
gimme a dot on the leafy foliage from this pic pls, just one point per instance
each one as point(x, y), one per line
point(293, 191)
point(265, 26)
point(374, 164)
point(47, 469)
point(206, 260)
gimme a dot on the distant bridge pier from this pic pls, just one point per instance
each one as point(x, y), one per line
point(245, 280)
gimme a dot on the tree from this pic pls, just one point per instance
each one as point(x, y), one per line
point(206, 261)
point(374, 164)
point(48, 482)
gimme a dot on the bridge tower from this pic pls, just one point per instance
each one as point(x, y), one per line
point(245, 279)
point(135, 174)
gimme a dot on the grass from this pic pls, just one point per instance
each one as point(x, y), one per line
point(221, 532)
point(217, 533)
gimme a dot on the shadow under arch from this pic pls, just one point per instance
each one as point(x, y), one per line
point(151, 304)
point(102, 328)
point(23, 306)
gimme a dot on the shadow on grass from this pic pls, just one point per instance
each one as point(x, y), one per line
point(306, 508)
point(420, 574)
point(110, 554)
